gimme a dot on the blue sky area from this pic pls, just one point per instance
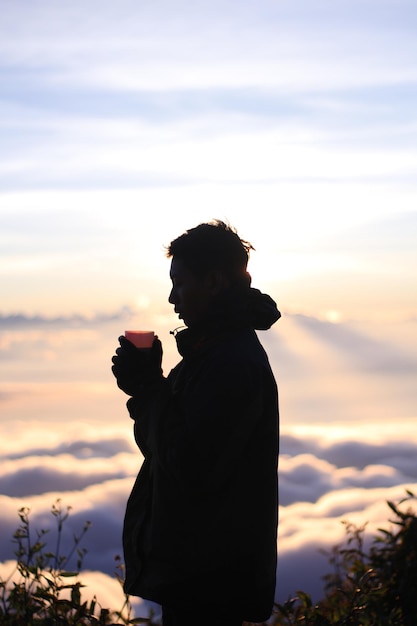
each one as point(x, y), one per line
point(123, 125)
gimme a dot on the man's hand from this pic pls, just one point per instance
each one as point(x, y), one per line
point(134, 367)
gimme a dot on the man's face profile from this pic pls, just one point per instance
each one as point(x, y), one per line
point(190, 295)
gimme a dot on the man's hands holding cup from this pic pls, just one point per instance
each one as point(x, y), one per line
point(134, 367)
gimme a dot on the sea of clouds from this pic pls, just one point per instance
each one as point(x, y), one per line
point(65, 435)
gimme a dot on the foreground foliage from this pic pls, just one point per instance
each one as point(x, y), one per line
point(374, 587)
point(42, 591)
point(367, 587)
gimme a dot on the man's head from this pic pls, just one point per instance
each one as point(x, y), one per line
point(207, 261)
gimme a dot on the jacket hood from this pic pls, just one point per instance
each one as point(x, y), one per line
point(248, 308)
point(260, 310)
point(245, 308)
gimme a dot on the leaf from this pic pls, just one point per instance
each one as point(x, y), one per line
point(305, 599)
point(73, 586)
point(41, 593)
point(93, 605)
point(392, 507)
point(76, 595)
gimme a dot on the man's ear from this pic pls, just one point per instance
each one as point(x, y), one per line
point(217, 282)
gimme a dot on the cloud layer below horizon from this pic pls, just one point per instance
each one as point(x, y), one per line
point(348, 432)
point(321, 485)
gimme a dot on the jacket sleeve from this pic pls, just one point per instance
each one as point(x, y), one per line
point(199, 436)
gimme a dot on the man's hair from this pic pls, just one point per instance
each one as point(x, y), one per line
point(213, 246)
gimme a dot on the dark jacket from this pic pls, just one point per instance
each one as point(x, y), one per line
point(201, 521)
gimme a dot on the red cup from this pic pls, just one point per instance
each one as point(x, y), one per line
point(140, 338)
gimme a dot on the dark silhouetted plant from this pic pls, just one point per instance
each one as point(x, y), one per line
point(374, 587)
point(42, 591)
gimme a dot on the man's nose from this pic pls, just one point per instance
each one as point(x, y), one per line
point(171, 298)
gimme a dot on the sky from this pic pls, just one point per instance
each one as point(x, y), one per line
point(122, 125)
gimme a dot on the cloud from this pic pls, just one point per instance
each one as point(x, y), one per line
point(85, 449)
point(193, 106)
point(23, 320)
point(68, 466)
point(306, 478)
point(398, 454)
point(30, 477)
point(309, 531)
point(66, 434)
point(365, 353)
point(95, 478)
point(325, 371)
point(137, 98)
point(246, 46)
point(350, 371)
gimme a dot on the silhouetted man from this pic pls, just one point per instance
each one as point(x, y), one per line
point(201, 522)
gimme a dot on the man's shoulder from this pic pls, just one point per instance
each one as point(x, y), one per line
point(241, 345)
